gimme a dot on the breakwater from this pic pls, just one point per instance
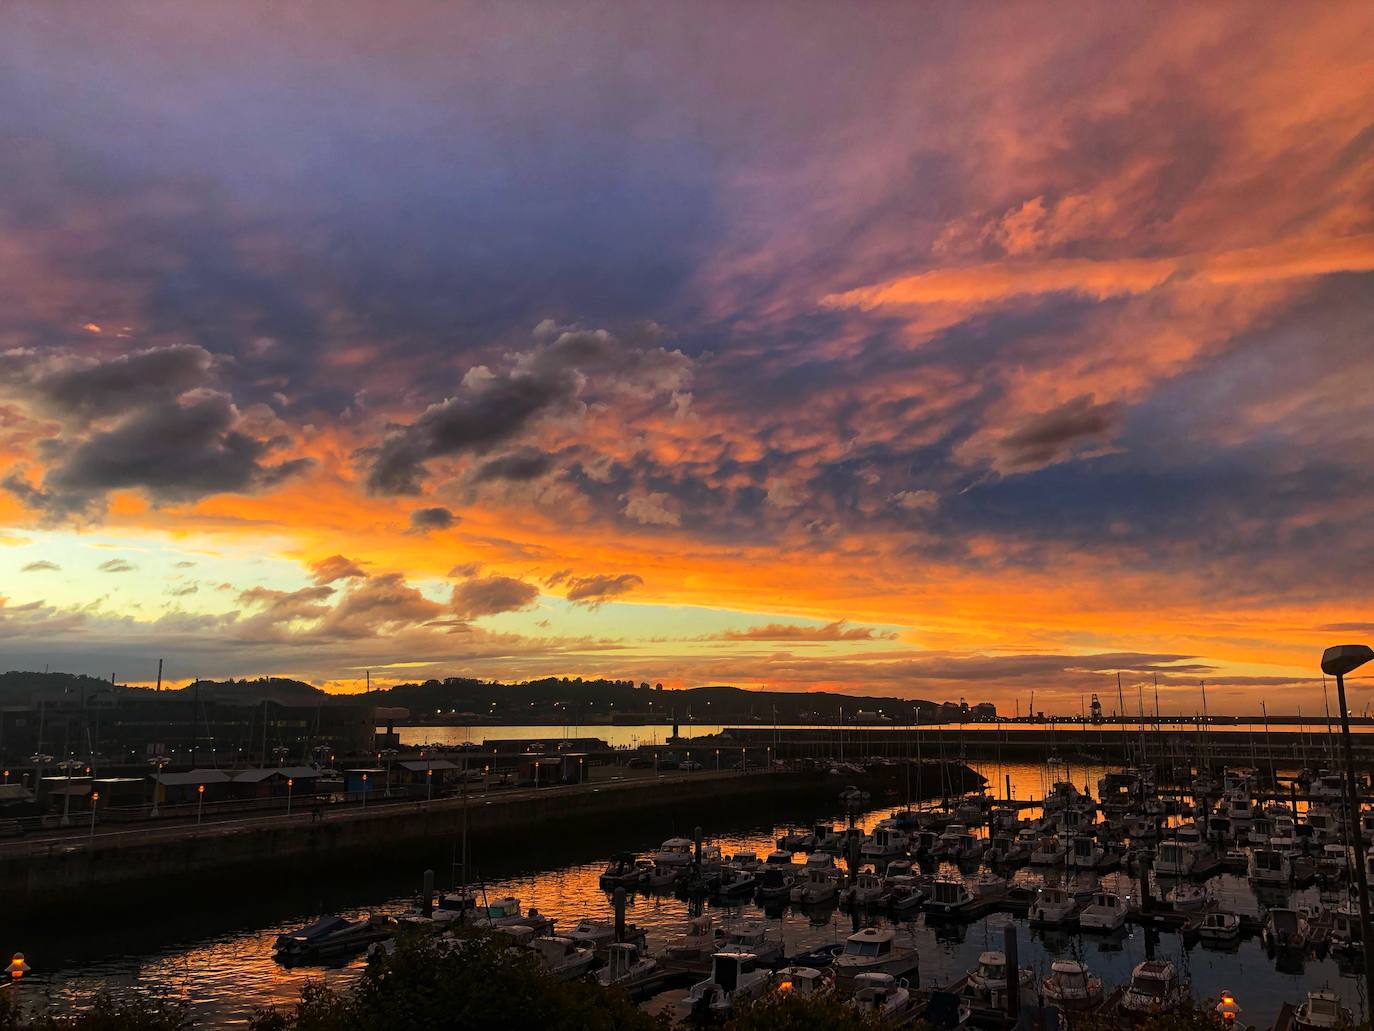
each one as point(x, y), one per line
point(76, 868)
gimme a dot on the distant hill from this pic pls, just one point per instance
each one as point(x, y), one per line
point(558, 700)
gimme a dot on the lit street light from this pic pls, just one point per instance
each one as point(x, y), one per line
point(290, 783)
point(1338, 661)
point(200, 803)
point(157, 761)
point(17, 968)
point(95, 797)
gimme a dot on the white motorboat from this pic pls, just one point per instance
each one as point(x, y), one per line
point(986, 985)
point(563, 957)
point(1085, 853)
point(625, 964)
point(904, 893)
point(968, 848)
point(1053, 907)
point(1106, 912)
point(1049, 851)
point(886, 843)
point(948, 896)
point(1219, 926)
point(875, 950)
point(1334, 860)
point(1154, 988)
point(779, 858)
point(701, 940)
point(949, 840)
point(1268, 866)
point(601, 933)
point(755, 938)
point(1285, 930)
point(1072, 986)
point(882, 998)
point(1326, 824)
point(818, 883)
point(675, 852)
point(1178, 857)
point(735, 978)
point(1186, 897)
point(867, 888)
point(1322, 1011)
point(660, 876)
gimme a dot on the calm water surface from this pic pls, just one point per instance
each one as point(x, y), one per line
point(221, 962)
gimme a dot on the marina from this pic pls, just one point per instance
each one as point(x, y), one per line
point(1210, 926)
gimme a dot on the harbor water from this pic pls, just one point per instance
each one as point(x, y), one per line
point(215, 953)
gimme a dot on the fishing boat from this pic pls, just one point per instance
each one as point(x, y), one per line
point(1072, 986)
point(1345, 928)
point(1106, 912)
point(1086, 853)
point(1178, 857)
point(1049, 851)
point(886, 843)
point(796, 841)
point(1219, 926)
point(1285, 930)
point(1326, 824)
point(657, 876)
point(867, 888)
point(818, 883)
point(1334, 861)
point(875, 950)
point(1322, 1011)
point(701, 940)
point(1053, 907)
point(925, 843)
point(948, 896)
point(735, 978)
point(882, 998)
point(564, 958)
point(1270, 867)
point(780, 858)
point(625, 964)
point(986, 984)
point(1186, 897)
point(949, 841)
point(1155, 988)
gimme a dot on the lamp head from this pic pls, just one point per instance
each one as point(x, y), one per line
point(1340, 659)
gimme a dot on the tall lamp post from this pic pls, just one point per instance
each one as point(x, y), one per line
point(1337, 661)
point(67, 765)
point(158, 762)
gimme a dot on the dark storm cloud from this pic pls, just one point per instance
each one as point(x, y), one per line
point(519, 466)
point(601, 587)
point(1056, 434)
point(494, 407)
point(487, 596)
point(422, 520)
point(174, 451)
point(89, 388)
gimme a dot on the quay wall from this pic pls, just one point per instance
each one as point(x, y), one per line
point(63, 870)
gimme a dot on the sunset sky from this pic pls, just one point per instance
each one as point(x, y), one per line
point(924, 349)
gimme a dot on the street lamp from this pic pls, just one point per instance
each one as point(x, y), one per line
point(157, 761)
point(1338, 661)
point(95, 797)
point(364, 790)
point(290, 783)
point(67, 765)
point(200, 803)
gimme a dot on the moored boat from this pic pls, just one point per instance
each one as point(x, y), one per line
point(1155, 988)
point(1072, 986)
